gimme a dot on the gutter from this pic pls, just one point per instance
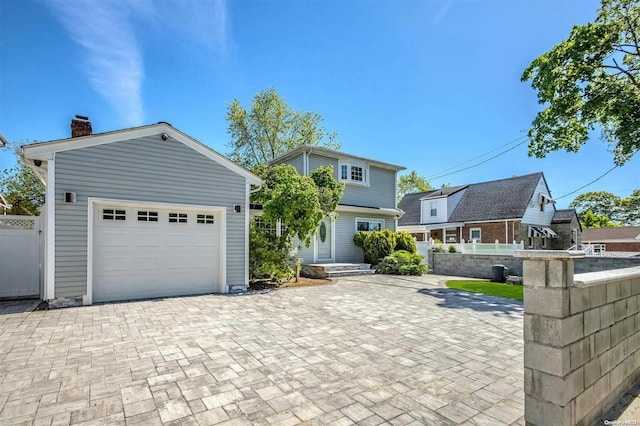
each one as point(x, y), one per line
point(3, 141)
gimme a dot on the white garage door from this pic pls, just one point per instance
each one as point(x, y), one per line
point(141, 252)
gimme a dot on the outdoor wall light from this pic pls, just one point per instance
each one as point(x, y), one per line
point(237, 208)
point(70, 197)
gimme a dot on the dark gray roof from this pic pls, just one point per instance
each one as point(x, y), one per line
point(410, 204)
point(497, 199)
point(443, 192)
point(494, 200)
point(564, 216)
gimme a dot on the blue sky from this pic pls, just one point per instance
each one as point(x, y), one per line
point(425, 84)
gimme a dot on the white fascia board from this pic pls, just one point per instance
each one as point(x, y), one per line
point(43, 151)
point(412, 228)
point(471, 222)
point(369, 210)
point(446, 225)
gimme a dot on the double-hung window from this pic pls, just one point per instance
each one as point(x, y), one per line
point(433, 208)
point(475, 235)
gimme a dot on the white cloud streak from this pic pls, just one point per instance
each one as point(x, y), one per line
point(113, 59)
point(441, 13)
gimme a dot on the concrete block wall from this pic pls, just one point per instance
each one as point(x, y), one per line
point(479, 265)
point(582, 338)
point(596, 263)
point(472, 265)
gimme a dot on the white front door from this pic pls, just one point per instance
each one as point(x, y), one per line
point(146, 251)
point(324, 240)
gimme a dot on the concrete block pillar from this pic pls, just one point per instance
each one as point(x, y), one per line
point(550, 382)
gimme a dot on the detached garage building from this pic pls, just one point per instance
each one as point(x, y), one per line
point(139, 213)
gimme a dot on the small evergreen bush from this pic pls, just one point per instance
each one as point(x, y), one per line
point(402, 262)
point(377, 245)
point(359, 238)
point(405, 241)
point(452, 249)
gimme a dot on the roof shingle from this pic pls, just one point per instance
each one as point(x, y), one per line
point(494, 200)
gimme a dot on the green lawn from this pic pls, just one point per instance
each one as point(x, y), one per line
point(487, 287)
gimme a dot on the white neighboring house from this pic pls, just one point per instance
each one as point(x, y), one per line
point(518, 208)
point(139, 213)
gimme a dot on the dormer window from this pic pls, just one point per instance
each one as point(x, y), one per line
point(433, 208)
point(353, 172)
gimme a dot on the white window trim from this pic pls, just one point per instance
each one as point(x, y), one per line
point(87, 299)
point(479, 234)
point(353, 163)
point(369, 219)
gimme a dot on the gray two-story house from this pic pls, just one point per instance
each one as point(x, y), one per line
point(368, 202)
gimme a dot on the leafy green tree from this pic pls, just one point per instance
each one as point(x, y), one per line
point(23, 190)
point(600, 203)
point(329, 189)
point(272, 128)
point(591, 79)
point(412, 182)
point(631, 209)
point(592, 220)
point(297, 202)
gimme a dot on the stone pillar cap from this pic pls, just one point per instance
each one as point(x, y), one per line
point(549, 254)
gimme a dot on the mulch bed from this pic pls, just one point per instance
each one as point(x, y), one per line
point(302, 282)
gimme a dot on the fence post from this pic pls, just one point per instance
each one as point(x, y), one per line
point(550, 385)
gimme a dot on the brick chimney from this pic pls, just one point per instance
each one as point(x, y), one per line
point(80, 126)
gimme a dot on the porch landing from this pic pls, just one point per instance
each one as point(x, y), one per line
point(333, 270)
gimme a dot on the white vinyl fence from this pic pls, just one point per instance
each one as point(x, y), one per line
point(471, 248)
point(19, 256)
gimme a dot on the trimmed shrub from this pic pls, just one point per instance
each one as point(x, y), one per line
point(359, 238)
point(405, 241)
point(452, 249)
point(377, 245)
point(402, 263)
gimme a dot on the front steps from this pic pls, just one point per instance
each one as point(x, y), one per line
point(334, 270)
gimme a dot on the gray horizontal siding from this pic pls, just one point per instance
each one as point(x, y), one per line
point(298, 163)
point(316, 161)
point(145, 169)
point(381, 191)
point(346, 250)
point(306, 253)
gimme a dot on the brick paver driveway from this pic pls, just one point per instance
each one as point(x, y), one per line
point(374, 350)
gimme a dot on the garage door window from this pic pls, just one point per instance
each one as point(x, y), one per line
point(205, 219)
point(146, 216)
point(177, 218)
point(112, 214)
